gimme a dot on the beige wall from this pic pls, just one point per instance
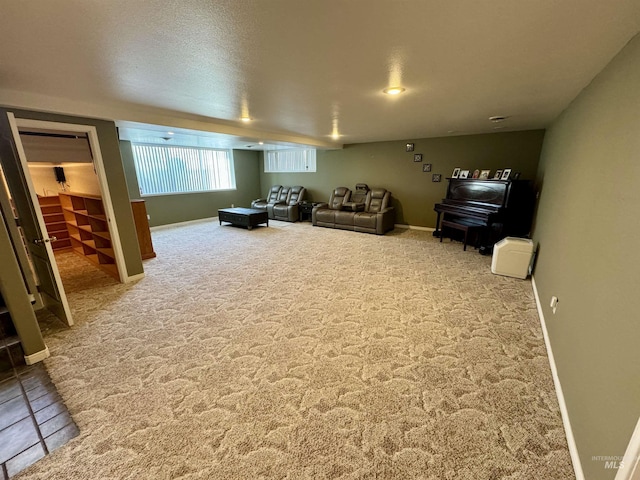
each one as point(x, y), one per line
point(588, 228)
point(388, 165)
point(166, 209)
point(81, 178)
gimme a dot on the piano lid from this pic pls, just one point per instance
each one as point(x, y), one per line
point(490, 192)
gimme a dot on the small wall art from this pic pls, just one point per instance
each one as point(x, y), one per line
point(417, 157)
point(505, 174)
point(456, 172)
point(426, 167)
point(464, 173)
point(484, 174)
point(436, 177)
point(476, 173)
point(497, 175)
point(409, 147)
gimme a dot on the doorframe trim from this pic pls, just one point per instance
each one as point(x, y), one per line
point(631, 458)
point(98, 163)
point(37, 357)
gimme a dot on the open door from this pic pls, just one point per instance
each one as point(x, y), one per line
point(29, 218)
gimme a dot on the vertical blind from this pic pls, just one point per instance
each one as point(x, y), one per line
point(300, 160)
point(173, 169)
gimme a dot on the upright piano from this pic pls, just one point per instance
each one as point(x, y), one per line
point(501, 207)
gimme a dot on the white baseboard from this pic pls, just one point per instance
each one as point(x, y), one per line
point(414, 227)
point(37, 357)
point(631, 459)
point(188, 222)
point(573, 449)
point(133, 278)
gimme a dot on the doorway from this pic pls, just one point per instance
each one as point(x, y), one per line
point(61, 167)
point(100, 211)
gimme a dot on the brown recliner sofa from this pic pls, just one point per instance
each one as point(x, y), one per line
point(270, 200)
point(376, 215)
point(289, 211)
point(281, 203)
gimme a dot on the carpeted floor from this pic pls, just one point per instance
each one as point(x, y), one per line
point(302, 352)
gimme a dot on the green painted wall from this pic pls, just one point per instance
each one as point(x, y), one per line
point(167, 209)
point(388, 165)
point(129, 169)
point(108, 138)
point(587, 227)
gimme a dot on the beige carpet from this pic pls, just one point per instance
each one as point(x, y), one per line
point(302, 352)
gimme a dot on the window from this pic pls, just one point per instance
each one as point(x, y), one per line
point(300, 160)
point(172, 169)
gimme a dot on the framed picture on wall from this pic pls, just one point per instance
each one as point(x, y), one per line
point(464, 174)
point(409, 147)
point(484, 174)
point(505, 174)
point(497, 175)
point(456, 172)
point(426, 167)
point(417, 157)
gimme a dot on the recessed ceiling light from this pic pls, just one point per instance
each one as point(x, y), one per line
point(245, 119)
point(498, 119)
point(393, 90)
point(261, 143)
point(169, 133)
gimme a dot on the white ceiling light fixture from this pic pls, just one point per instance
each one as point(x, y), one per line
point(335, 132)
point(394, 90)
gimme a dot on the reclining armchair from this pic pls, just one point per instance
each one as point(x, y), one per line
point(288, 210)
point(272, 198)
point(323, 214)
point(378, 216)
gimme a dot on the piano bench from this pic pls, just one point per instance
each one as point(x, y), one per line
point(461, 225)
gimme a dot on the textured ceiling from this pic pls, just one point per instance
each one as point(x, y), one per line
point(302, 69)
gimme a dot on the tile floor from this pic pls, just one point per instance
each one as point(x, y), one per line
point(33, 419)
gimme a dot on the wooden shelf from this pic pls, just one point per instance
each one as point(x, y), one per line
point(54, 219)
point(88, 228)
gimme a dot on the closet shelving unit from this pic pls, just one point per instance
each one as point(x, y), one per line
point(89, 229)
point(55, 222)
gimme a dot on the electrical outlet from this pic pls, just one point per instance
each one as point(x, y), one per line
point(554, 304)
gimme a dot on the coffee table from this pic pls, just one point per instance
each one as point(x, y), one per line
point(243, 217)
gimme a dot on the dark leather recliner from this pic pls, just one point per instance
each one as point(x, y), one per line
point(281, 200)
point(272, 197)
point(323, 214)
point(378, 216)
point(288, 211)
